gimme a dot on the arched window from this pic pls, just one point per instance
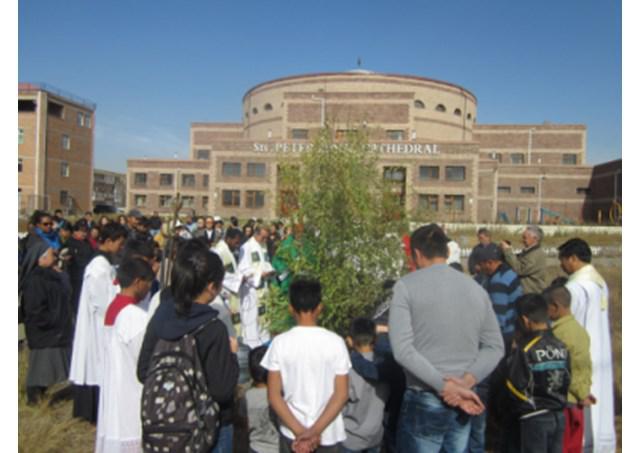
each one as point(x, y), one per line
point(418, 104)
point(468, 116)
point(441, 108)
point(457, 112)
point(268, 107)
point(255, 111)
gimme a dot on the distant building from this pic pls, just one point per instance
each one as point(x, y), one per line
point(109, 188)
point(440, 161)
point(55, 149)
point(605, 193)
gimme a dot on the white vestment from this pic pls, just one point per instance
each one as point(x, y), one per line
point(253, 263)
point(98, 290)
point(454, 252)
point(232, 278)
point(119, 428)
point(590, 307)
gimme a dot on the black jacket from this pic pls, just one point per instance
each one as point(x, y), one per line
point(81, 255)
point(538, 374)
point(219, 363)
point(47, 309)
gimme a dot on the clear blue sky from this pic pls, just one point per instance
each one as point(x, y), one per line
point(153, 67)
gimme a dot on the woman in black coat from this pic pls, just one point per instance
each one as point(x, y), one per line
point(48, 323)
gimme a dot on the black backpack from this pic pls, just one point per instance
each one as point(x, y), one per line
point(178, 413)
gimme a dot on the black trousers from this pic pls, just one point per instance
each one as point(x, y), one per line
point(85, 402)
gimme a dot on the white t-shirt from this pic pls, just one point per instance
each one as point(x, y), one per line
point(308, 359)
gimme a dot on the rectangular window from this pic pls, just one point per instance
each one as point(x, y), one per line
point(455, 173)
point(87, 120)
point(517, 158)
point(140, 200)
point(527, 189)
point(202, 154)
point(496, 156)
point(20, 136)
point(569, 159)
point(166, 179)
point(64, 169)
point(165, 201)
point(64, 197)
point(19, 165)
point(454, 203)
point(66, 142)
point(188, 180)
point(205, 180)
point(26, 105)
point(344, 133)
point(205, 202)
point(504, 189)
point(395, 134)
point(427, 202)
point(231, 198)
point(188, 202)
point(140, 179)
point(428, 173)
point(300, 134)
point(583, 190)
point(80, 119)
point(256, 170)
point(255, 199)
point(231, 169)
point(55, 109)
point(394, 174)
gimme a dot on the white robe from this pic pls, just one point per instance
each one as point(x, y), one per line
point(232, 278)
point(119, 428)
point(253, 263)
point(97, 293)
point(589, 305)
point(454, 252)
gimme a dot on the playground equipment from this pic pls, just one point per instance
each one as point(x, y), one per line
point(615, 213)
point(556, 217)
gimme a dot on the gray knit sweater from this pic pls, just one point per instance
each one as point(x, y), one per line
point(441, 324)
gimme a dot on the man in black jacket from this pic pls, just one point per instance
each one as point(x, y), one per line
point(81, 253)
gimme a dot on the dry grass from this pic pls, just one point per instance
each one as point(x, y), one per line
point(44, 429)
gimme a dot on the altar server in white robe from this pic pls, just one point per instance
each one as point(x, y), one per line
point(98, 290)
point(229, 296)
point(590, 307)
point(119, 428)
point(255, 269)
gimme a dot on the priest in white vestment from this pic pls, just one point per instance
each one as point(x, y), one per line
point(255, 268)
point(98, 290)
point(229, 296)
point(590, 307)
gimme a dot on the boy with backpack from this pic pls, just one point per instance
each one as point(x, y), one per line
point(537, 381)
point(308, 382)
point(188, 363)
point(364, 412)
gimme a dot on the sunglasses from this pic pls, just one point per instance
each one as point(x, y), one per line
point(46, 224)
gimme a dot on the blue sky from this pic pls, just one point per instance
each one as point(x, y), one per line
point(153, 67)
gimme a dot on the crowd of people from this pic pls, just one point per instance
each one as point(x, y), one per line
point(147, 317)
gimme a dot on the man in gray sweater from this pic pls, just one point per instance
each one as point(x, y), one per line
point(445, 335)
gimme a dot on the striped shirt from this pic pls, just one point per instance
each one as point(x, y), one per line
point(504, 288)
